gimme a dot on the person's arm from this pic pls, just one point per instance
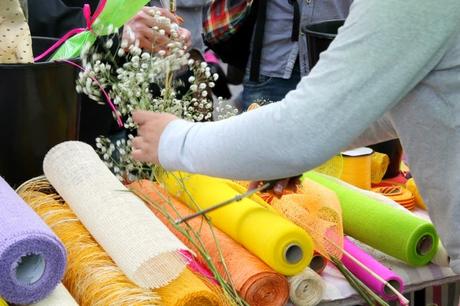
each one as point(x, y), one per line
point(384, 49)
point(380, 131)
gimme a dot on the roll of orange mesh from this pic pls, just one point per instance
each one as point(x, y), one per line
point(318, 263)
point(257, 283)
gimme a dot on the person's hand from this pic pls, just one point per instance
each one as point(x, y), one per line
point(278, 187)
point(139, 30)
point(151, 126)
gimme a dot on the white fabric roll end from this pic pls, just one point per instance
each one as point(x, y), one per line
point(306, 288)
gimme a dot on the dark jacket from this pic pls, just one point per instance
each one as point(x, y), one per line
point(57, 17)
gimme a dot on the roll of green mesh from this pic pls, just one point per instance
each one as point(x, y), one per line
point(385, 228)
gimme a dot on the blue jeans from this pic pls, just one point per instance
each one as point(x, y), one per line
point(268, 88)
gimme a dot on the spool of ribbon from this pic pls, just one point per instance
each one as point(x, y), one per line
point(32, 259)
point(379, 166)
point(398, 194)
point(285, 247)
point(306, 288)
point(369, 280)
point(388, 229)
point(146, 251)
point(257, 283)
point(357, 167)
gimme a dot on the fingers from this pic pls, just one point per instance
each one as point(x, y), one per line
point(163, 12)
point(151, 126)
point(143, 151)
point(141, 117)
point(253, 185)
point(280, 186)
point(153, 41)
point(186, 35)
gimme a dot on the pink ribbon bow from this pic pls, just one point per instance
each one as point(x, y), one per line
point(89, 23)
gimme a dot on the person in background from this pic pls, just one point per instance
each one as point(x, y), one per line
point(284, 58)
point(392, 71)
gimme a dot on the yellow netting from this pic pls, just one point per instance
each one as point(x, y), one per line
point(332, 167)
point(317, 210)
point(188, 290)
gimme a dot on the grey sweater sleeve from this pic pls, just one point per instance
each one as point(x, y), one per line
point(381, 130)
point(384, 49)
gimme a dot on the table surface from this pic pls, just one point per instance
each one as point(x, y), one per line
point(339, 292)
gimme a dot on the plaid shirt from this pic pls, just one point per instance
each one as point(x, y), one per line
point(226, 18)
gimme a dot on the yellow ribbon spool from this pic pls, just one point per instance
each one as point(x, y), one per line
point(357, 167)
point(282, 245)
point(379, 165)
point(410, 184)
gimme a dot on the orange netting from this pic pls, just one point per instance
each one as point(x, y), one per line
point(257, 283)
point(317, 210)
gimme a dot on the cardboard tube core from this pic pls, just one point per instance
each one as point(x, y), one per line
point(30, 268)
point(293, 254)
point(424, 245)
point(317, 263)
point(395, 284)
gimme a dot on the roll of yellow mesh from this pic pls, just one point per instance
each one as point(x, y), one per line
point(2, 302)
point(188, 290)
point(412, 187)
point(379, 165)
point(278, 242)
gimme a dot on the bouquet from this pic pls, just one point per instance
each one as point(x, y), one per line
point(169, 80)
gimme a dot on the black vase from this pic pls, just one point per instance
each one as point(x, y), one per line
point(319, 36)
point(39, 108)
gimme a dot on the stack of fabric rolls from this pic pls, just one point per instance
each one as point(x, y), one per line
point(124, 245)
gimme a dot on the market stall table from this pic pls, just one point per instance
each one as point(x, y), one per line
point(426, 285)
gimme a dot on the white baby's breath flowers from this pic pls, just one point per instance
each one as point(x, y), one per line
point(138, 80)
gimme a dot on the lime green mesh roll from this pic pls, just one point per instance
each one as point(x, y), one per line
point(385, 228)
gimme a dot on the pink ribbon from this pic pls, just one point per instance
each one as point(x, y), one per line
point(106, 95)
point(197, 267)
point(89, 23)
